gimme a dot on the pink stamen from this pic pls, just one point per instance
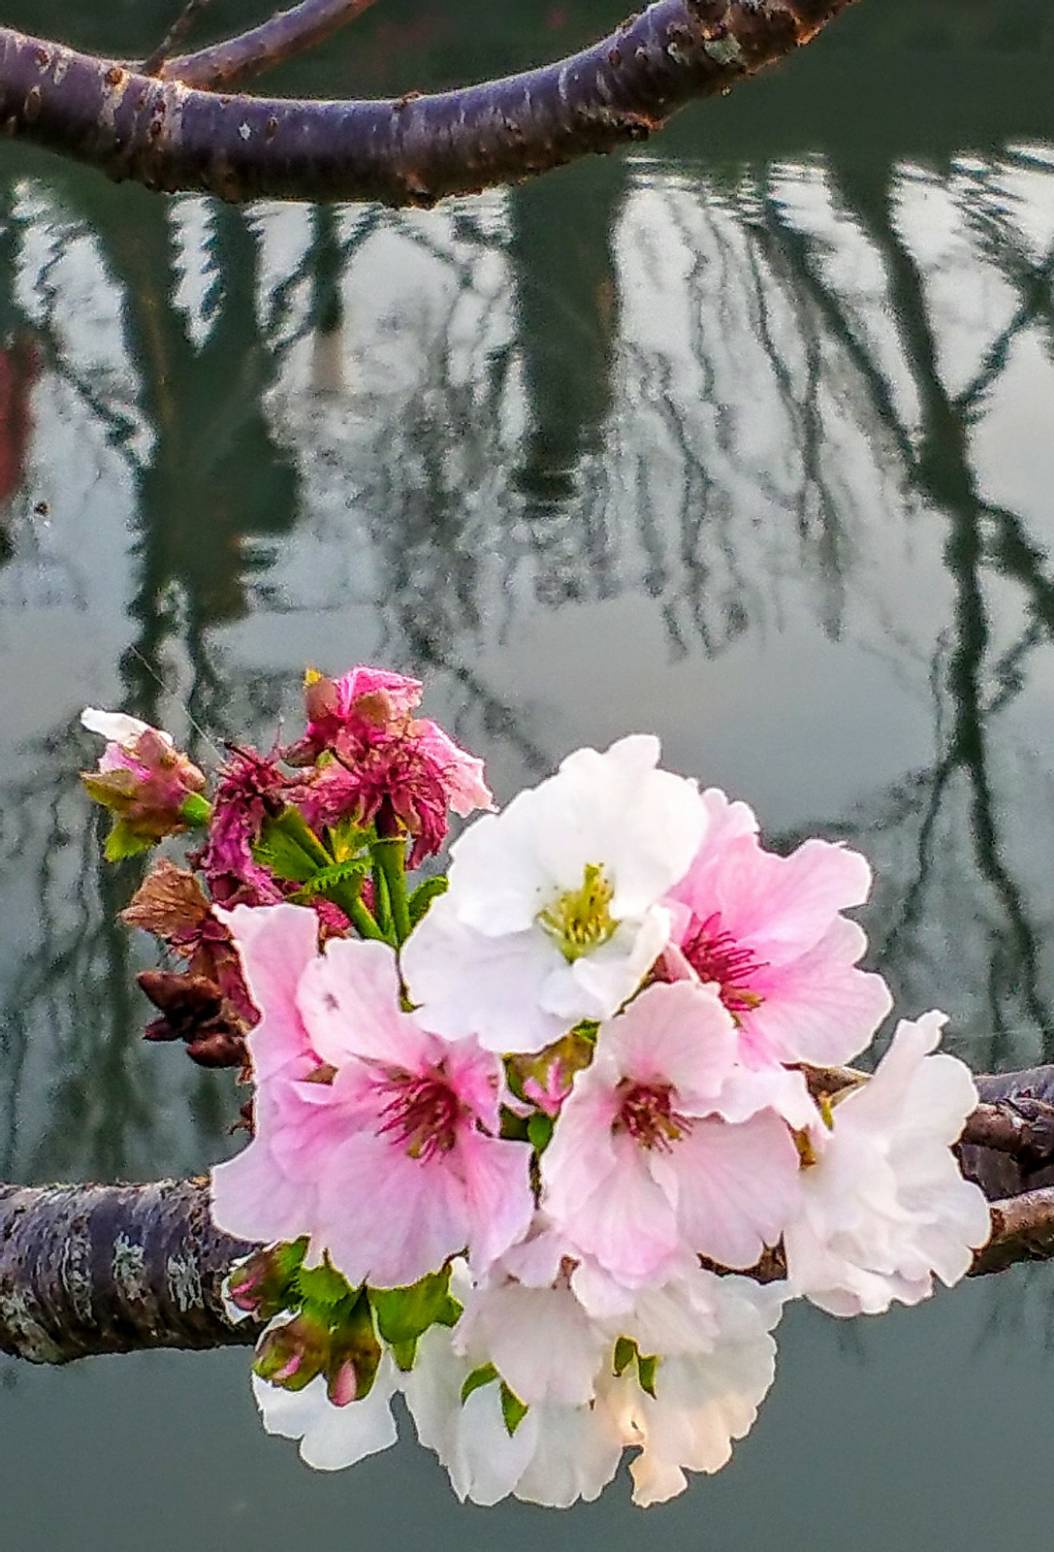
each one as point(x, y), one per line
point(648, 1116)
point(716, 957)
point(423, 1115)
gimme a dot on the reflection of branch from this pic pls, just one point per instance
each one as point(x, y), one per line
point(281, 37)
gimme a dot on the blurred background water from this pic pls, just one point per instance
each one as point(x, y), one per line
point(747, 439)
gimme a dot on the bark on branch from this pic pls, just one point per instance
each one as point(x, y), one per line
point(251, 53)
point(411, 151)
point(179, 29)
point(112, 1269)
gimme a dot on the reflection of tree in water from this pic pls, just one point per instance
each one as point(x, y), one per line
point(209, 453)
point(956, 909)
point(728, 397)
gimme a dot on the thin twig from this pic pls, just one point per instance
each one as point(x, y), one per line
point(174, 36)
point(282, 36)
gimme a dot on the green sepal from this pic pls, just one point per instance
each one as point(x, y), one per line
point(354, 1341)
point(486, 1374)
point(346, 840)
point(404, 1354)
point(196, 810)
point(540, 1130)
point(625, 1352)
point(123, 842)
point(265, 1283)
point(646, 1368)
point(292, 1355)
point(404, 1314)
point(323, 1287)
point(516, 1127)
point(280, 851)
point(422, 897)
point(513, 1410)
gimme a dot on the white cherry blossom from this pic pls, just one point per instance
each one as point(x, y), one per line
point(553, 914)
point(884, 1206)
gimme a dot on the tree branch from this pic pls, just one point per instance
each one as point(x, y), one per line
point(174, 36)
point(1022, 1230)
point(413, 151)
point(114, 1269)
point(271, 43)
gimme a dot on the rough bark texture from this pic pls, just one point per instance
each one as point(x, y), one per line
point(250, 53)
point(412, 151)
point(114, 1269)
point(1022, 1230)
point(1027, 1098)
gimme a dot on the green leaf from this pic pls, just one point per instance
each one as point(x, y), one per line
point(486, 1374)
point(403, 1314)
point(330, 879)
point(539, 1130)
point(513, 1410)
point(123, 842)
point(423, 896)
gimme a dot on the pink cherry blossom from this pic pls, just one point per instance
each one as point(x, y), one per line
point(768, 932)
point(374, 763)
point(643, 1167)
point(363, 700)
point(141, 776)
point(375, 1138)
point(250, 788)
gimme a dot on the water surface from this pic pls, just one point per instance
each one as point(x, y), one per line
point(747, 440)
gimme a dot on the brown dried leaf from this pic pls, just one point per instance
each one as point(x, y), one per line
point(169, 903)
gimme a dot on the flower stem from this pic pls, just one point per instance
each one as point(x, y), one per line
point(360, 917)
point(390, 856)
point(381, 902)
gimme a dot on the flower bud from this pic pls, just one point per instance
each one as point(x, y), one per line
point(291, 1355)
point(149, 786)
point(263, 1284)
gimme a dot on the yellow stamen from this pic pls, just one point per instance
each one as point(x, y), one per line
point(580, 920)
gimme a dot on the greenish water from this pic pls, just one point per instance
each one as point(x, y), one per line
point(748, 440)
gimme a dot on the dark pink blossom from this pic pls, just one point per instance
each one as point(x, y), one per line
point(251, 789)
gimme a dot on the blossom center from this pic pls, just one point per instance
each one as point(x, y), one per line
point(580, 920)
point(422, 1115)
point(716, 957)
point(647, 1115)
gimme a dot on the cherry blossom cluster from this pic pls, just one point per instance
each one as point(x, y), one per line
point(545, 1143)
